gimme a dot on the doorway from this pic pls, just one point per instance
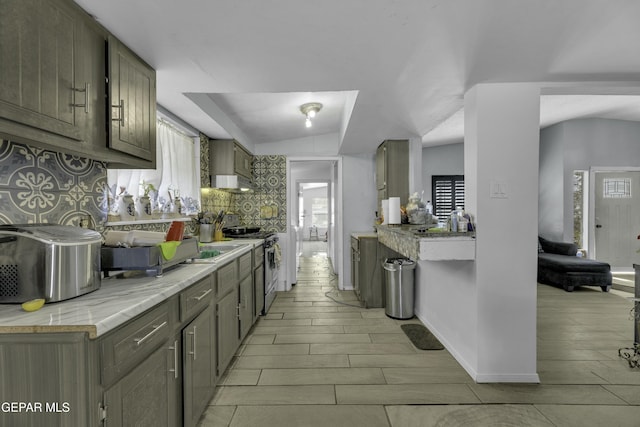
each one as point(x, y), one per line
point(616, 223)
point(313, 211)
point(314, 199)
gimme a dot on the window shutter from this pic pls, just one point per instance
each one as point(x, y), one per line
point(448, 193)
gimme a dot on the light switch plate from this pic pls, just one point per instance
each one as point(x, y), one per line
point(498, 190)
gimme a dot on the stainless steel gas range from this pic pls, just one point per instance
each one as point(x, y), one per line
point(272, 259)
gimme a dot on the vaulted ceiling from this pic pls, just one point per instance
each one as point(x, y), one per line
point(382, 68)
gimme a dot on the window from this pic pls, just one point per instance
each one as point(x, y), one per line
point(177, 171)
point(448, 193)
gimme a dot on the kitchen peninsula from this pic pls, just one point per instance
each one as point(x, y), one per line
point(419, 245)
point(138, 348)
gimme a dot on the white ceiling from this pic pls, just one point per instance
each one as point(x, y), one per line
point(382, 68)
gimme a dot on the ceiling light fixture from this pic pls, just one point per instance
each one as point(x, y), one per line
point(310, 110)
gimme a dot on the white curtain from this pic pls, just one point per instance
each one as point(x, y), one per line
point(177, 163)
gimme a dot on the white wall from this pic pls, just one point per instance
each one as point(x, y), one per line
point(359, 203)
point(485, 311)
point(441, 160)
point(579, 145)
point(551, 184)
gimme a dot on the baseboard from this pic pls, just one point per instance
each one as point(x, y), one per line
point(459, 358)
point(508, 378)
point(478, 377)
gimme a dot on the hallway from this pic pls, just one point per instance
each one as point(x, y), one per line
point(314, 361)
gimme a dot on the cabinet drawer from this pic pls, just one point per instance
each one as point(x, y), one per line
point(258, 256)
point(196, 297)
point(244, 265)
point(130, 344)
point(227, 278)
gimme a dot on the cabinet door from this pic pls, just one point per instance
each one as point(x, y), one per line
point(144, 396)
point(227, 325)
point(246, 305)
point(199, 356)
point(243, 162)
point(258, 291)
point(355, 272)
point(38, 64)
point(381, 157)
point(89, 93)
point(132, 94)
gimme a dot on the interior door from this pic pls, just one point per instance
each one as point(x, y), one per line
point(617, 217)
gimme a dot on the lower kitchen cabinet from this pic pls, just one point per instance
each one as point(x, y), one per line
point(159, 368)
point(147, 395)
point(227, 322)
point(245, 306)
point(199, 365)
point(367, 274)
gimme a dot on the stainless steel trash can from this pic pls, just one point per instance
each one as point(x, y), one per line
point(399, 278)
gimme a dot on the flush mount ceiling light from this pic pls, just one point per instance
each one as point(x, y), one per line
point(310, 109)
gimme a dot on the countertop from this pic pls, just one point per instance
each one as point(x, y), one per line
point(428, 246)
point(119, 298)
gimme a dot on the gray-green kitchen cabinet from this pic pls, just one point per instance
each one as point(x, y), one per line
point(132, 110)
point(227, 314)
point(52, 82)
point(392, 170)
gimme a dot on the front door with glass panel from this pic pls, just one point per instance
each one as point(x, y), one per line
point(617, 218)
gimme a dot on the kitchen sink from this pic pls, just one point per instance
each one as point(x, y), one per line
point(214, 250)
point(220, 248)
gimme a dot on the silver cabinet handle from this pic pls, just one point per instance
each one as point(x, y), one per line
point(87, 91)
point(156, 328)
point(207, 292)
point(175, 359)
point(193, 343)
point(121, 118)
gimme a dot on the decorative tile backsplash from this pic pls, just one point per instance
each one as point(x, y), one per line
point(41, 186)
point(266, 206)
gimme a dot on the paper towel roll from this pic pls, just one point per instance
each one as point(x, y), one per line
point(385, 211)
point(394, 210)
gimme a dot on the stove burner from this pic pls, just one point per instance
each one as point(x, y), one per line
point(240, 232)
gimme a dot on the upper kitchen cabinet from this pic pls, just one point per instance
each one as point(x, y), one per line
point(53, 92)
point(51, 76)
point(132, 95)
point(231, 165)
point(228, 157)
point(392, 170)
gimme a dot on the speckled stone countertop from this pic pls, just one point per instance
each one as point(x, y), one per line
point(118, 299)
point(436, 246)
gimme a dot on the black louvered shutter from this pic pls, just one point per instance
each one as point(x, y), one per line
point(448, 193)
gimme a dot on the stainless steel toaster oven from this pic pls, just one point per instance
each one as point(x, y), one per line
point(54, 262)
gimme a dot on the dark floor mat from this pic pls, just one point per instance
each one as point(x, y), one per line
point(421, 337)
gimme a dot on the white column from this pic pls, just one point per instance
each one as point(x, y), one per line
point(501, 179)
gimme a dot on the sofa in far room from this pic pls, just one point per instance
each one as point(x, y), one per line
point(558, 265)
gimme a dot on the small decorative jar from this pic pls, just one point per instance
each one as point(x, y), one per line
point(127, 209)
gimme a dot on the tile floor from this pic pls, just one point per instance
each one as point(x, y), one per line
point(315, 362)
